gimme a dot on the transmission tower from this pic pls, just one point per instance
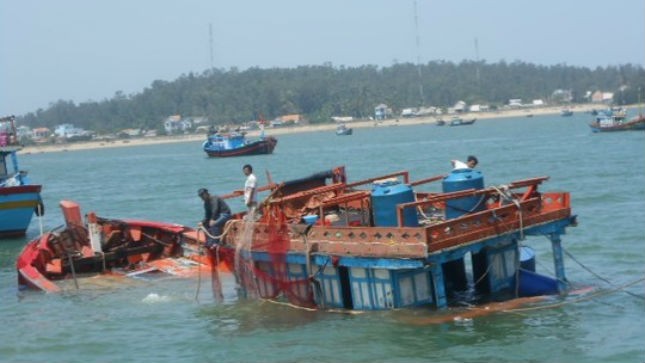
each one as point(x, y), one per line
point(416, 30)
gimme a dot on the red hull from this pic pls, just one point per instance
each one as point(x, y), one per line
point(128, 248)
point(635, 124)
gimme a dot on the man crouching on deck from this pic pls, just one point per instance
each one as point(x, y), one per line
point(216, 213)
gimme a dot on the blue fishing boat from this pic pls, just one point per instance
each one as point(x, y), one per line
point(19, 199)
point(236, 144)
point(616, 120)
point(323, 242)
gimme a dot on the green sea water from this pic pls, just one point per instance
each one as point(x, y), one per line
point(166, 320)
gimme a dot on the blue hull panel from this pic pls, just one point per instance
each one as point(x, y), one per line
point(534, 284)
point(16, 211)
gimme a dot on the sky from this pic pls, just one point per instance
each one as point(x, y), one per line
point(80, 51)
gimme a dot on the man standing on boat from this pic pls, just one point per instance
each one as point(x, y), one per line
point(250, 192)
point(216, 213)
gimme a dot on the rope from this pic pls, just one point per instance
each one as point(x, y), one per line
point(40, 218)
point(71, 265)
point(199, 269)
point(227, 226)
point(504, 192)
point(598, 276)
point(581, 299)
point(166, 244)
point(337, 311)
point(517, 269)
point(490, 265)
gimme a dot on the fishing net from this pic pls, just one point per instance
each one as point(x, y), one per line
point(261, 263)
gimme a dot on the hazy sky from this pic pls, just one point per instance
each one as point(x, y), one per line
point(82, 50)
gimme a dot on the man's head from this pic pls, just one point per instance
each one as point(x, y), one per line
point(203, 193)
point(472, 161)
point(247, 169)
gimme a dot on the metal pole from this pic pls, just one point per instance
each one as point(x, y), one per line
point(558, 261)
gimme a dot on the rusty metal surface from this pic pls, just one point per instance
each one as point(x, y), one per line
point(418, 242)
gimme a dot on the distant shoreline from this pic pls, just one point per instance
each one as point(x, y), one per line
point(89, 145)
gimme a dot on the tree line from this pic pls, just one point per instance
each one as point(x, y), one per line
point(318, 92)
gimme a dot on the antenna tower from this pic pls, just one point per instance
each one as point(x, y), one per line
point(210, 41)
point(477, 60)
point(416, 29)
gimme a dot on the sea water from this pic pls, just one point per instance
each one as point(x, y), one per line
point(169, 320)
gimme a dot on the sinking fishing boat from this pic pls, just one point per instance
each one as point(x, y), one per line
point(219, 145)
point(19, 199)
point(377, 244)
point(96, 249)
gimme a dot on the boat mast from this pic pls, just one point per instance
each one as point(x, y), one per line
point(416, 29)
point(477, 62)
point(210, 42)
point(640, 111)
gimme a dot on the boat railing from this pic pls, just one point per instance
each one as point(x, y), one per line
point(426, 180)
point(239, 192)
point(471, 228)
point(405, 174)
point(361, 197)
point(417, 242)
point(435, 199)
point(306, 193)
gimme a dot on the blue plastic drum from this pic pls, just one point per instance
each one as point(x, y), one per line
point(385, 198)
point(463, 179)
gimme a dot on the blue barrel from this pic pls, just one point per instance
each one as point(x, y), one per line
point(462, 179)
point(385, 197)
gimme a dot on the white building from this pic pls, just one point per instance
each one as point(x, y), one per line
point(515, 102)
point(68, 131)
point(174, 124)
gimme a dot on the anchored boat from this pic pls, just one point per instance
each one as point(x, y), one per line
point(458, 121)
point(19, 199)
point(374, 244)
point(343, 130)
point(611, 120)
point(236, 144)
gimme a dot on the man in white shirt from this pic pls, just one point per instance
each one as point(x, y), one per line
point(471, 163)
point(250, 186)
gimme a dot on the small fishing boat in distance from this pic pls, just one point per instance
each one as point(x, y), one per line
point(609, 120)
point(343, 130)
point(19, 199)
point(566, 112)
point(458, 121)
point(236, 144)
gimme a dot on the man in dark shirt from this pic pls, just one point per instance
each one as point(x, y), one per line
point(216, 213)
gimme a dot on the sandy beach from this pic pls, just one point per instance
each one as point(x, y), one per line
point(78, 146)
